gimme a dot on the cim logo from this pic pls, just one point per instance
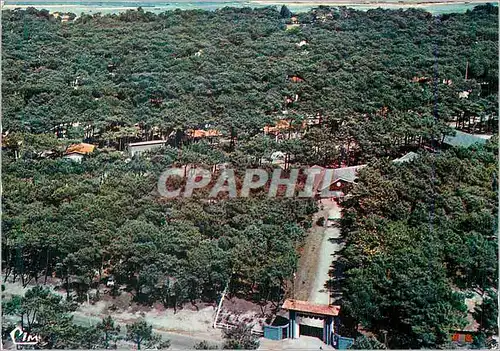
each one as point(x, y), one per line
point(20, 337)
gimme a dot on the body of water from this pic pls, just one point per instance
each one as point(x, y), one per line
point(104, 7)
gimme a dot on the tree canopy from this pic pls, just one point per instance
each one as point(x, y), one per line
point(419, 236)
point(379, 83)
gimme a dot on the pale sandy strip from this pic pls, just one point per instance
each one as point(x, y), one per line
point(375, 4)
point(48, 7)
point(62, 7)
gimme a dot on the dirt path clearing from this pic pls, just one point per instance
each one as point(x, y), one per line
point(328, 253)
point(317, 256)
point(309, 257)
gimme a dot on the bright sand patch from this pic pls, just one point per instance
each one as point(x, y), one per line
point(438, 6)
point(366, 3)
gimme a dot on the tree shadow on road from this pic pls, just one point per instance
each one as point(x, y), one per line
point(334, 284)
point(337, 241)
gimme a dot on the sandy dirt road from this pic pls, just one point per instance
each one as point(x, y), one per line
point(320, 250)
point(328, 255)
point(309, 258)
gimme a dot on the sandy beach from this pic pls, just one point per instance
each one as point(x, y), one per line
point(367, 3)
point(68, 6)
point(433, 6)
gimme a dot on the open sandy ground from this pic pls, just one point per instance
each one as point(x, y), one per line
point(374, 4)
point(427, 4)
point(328, 253)
point(184, 329)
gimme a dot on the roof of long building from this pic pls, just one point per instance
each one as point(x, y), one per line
point(313, 308)
point(82, 148)
point(152, 142)
point(463, 139)
point(200, 133)
point(407, 158)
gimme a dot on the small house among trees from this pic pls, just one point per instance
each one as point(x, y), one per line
point(76, 152)
point(285, 127)
point(202, 134)
point(137, 148)
point(421, 79)
point(314, 120)
point(296, 79)
point(342, 178)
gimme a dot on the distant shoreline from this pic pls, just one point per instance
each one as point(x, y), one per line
point(48, 7)
point(337, 3)
point(295, 5)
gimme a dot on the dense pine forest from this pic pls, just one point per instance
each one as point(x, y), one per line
point(419, 235)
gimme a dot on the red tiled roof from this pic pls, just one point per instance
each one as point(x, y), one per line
point(212, 132)
point(81, 148)
point(420, 79)
point(198, 133)
point(306, 307)
point(282, 124)
point(296, 79)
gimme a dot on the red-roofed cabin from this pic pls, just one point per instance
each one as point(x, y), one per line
point(296, 79)
point(420, 79)
point(281, 125)
point(156, 101)
point(284, 126)
point(199, 133)
point(76, 152)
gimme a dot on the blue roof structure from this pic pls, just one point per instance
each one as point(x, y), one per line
point(407, 158)
point(463, 139)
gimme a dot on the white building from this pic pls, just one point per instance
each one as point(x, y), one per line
point(76, 152)
point(137, 148)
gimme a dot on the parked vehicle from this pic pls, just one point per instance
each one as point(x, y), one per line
point(111, 282)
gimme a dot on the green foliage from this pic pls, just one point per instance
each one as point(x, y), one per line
point(355, 64)
point(204, 345)
point(415, 232)
point(483, 341)
point(285, 12)
point(43, 313)
point(367, 343)
point(109, 332)
point(486, 314)
point(77, 133)
point(240, 338)
point(142, 334)
point(68, 218)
